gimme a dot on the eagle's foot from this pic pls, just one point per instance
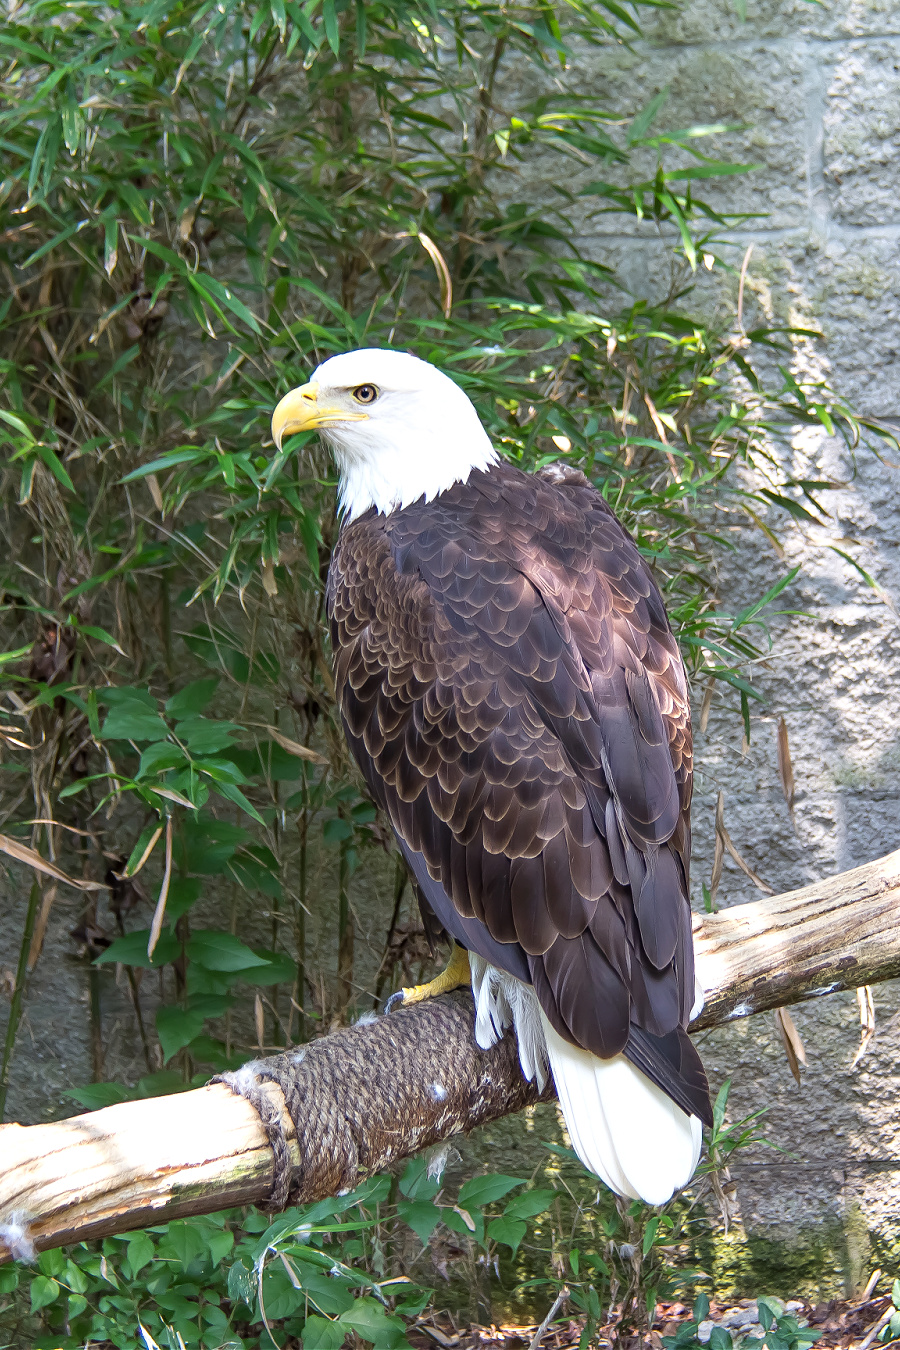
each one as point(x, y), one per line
point(455, 975)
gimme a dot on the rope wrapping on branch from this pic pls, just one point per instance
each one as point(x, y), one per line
point(246, 1082)
point(416, 1076)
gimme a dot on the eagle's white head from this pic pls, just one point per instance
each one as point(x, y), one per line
point(400, 429)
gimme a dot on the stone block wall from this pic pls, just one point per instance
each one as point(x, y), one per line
point(816, 91)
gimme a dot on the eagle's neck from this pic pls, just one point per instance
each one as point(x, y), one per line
point(416, 460)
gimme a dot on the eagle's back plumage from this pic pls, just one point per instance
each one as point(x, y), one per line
point(513, 694)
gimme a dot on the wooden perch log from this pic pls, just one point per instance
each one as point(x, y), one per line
point(386, 1088)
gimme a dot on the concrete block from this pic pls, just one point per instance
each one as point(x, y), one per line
point(834, 677)
point(862, 133)
point(721, 21)
point(759, 87)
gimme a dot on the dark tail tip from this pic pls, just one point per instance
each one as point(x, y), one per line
point(672, 1063)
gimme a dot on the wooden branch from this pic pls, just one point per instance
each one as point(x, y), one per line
point(386, 1088)
point(841, 933)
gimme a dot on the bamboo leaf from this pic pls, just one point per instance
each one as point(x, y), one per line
point(12, 420)
point(332, 32)
point(291, 746)
point(51, 459)
point(20, 852)
point(785, 766)
point(772, 594)
point(790, 1039)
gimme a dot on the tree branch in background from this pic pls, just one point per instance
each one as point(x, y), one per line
point(384, 1089)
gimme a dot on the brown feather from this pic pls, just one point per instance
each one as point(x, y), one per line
point(513, 694)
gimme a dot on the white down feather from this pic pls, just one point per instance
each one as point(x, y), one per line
point(622, 1126)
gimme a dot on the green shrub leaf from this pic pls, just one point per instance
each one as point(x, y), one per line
point(44, 1291)
point(421, 1215)
point(485, 1190)
point(131, 950)
point(221, 951)
point(508, 1231)
point(177, 1027)
point(529, 1204)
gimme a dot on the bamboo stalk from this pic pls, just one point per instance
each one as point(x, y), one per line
point(15, 1007)
point(381, 1090)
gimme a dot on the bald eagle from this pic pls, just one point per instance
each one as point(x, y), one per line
point(512, 692)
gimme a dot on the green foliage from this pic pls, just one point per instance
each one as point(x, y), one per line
point(360, 1262)
point(783, 1332)
point(367, 1262)
point(625, 1256)
point(197, 204)
point(316, 1271)
point(891, 1330)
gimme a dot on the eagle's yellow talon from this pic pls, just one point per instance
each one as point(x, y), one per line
point(455, 974)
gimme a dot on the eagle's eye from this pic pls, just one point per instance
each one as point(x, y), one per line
point(365, 393)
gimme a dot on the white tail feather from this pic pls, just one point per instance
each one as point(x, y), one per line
point(622, 1126)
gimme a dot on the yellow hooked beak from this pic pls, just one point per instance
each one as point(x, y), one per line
point(300, 410)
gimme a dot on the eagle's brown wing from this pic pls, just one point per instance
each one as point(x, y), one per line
point(513, 694)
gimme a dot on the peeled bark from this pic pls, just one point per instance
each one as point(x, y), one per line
point(386, 1088)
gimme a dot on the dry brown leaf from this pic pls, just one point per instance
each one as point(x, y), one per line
point(270, 585)
point(151, 845)
point(718, 860)
point(443, 272)
point(719, 856)
point(160, 912)
point(725, 1192)
point(740, 306)
point(23, 854)
point(12, 740)
point(655, 419)
point(791, 1040)
point(785, 767)
point(153, 486)
point(292, 747)
point(625, 416)
point(705, 706)
point(171, 795)
point(745, 867)
point(437, 1335)
point(186, 223)
point(722, 833)
point(291, 1272)
point(40, 927)
point(60, 825)
point(866, 1021)
point(259, 1018)
point(661, 433)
